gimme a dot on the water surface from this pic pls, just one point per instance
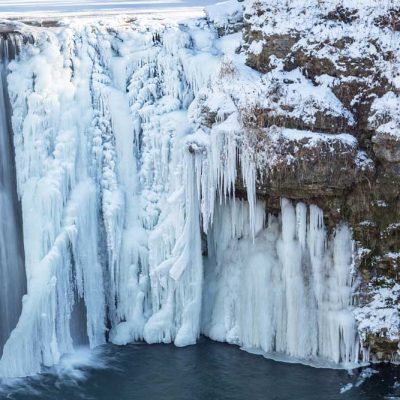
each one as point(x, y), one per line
point(207, 371)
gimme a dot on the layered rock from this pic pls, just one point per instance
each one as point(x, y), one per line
point(324, 128)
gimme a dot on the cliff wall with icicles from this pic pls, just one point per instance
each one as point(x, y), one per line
point(234, 176)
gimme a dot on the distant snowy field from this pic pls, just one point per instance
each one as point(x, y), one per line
point(29, 8)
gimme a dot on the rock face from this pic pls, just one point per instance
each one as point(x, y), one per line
point(326, 129)
point(301, 164)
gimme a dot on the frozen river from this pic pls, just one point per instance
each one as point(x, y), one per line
point(29, 8)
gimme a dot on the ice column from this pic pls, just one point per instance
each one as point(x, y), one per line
point(288, 293)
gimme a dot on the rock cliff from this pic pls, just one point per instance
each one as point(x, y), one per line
point(325, 129)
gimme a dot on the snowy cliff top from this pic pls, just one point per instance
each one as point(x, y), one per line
point(286, 16)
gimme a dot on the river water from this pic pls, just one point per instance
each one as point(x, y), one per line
point(207, 371)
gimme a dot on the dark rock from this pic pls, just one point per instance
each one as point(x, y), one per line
point(387, 147)
point(273, 45)
point(390, 20)
point(309, 59)
point(342, 14)
point(307, 167)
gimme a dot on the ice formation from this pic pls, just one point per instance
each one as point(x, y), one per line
point(130, 223)
point(288, 291)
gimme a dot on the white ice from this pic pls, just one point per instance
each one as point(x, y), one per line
point(129, 211)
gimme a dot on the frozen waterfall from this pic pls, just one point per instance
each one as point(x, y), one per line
point(131, 228)
point(288, 292)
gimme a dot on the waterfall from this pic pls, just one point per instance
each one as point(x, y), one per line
point(130, 224)
point(12, 273)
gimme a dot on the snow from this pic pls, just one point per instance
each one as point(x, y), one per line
point(224, 13)
point(27, 9)
point(256, 47)
point(364, 163)
point(392, 254)
point(393, 226)
point(314, 137)
point(301, 15)
point(385, 115)
point(315, 22)
point(300, 99)
point(381, 314)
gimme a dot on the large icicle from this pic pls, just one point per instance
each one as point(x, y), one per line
point(59, 208)
point(176, 267)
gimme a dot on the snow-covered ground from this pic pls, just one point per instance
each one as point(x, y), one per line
point(46, 8)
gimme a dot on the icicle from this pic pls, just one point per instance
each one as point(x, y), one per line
point(299, 342)
point(59, 209)
point(286, 293)
point(301, 224)
point(180, 269)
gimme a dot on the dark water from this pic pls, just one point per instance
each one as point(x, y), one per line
point(207, 371)
point(12, 270)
